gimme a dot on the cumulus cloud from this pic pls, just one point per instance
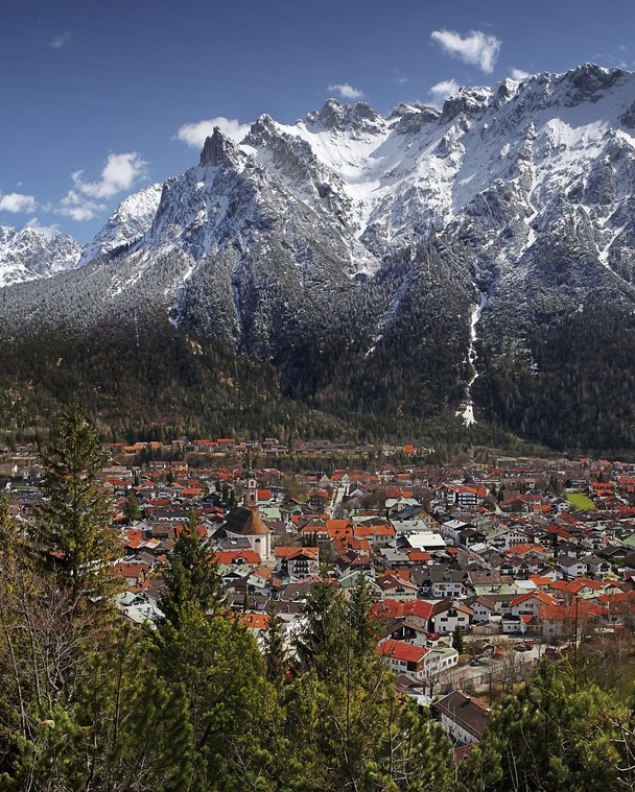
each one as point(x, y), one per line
point(346, 91)
point(194, 134)
point(120, 173)
point(17, 202)
point(60, 41)
point(477, 48)
point(444, 88)
point(79, 207)
point(519, 74)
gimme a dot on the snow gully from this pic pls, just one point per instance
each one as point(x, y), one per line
point(467, 413)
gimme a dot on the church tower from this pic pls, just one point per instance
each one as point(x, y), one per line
point(251, 491)
point(245, 521)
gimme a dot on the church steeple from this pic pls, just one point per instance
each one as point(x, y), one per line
point(251, 491)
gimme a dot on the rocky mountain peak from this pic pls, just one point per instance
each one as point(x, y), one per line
point(467, 101)
point(218, 151)
point(336, 115)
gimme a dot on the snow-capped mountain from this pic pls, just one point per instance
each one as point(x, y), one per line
point(33, 253)
point(126, 226)
point(357, 237)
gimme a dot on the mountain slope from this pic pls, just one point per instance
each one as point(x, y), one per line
point(380, 263)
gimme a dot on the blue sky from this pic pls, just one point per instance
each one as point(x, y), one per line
point(94, 93)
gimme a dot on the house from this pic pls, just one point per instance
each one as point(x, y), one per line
point(573, 567)
point(298, 562)
point(482, 609)
point(529, 604)
point(450, 614)
point(441, 658)
point(419, 612)
point(396, 587)
point(439, 582)
point(597, 566)
point(464, 718)
point(567, 621)
point(463, 496)
point(404, 658)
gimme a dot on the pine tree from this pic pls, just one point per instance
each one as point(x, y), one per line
point(204, 650)
point(191, 576)
point(132, 509)
point(358, 733)
point(559, 734)
point(276, 659)
point(74, 534)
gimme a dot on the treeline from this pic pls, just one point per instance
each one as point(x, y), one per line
point(157, 382)
point(151, 381)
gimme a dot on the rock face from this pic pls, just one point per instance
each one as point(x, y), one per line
point(362, 239)
point(125, 227)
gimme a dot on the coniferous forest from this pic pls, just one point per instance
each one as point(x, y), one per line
point(192, 703)
point(161, 383)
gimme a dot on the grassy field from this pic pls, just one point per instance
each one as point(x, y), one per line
point(580, 501)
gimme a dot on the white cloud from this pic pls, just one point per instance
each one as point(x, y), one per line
point(60, 41)
point(79, 207)
point(346, 91)
point(477, 48)
point(444, 88)
point(194, 134)
point(519, 74)
point(119, 173)
point(400, 80)
point(47, 231)
point(17, 202)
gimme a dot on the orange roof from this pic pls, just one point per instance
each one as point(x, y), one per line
point(580, 610)
point(130, 570)
point(262, 572)
point(401, 650)
point(135, 538)
point(231, 556)
point(374, 530)
point(539, 581)
point(394, 609)
point(419, 557)
point(547, 599)
point(257, 621)
point(293, 552)
point(522, 549)
point(338, 525)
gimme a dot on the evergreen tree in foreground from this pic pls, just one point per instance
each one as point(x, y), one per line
point(74, 534)
point(561, 733)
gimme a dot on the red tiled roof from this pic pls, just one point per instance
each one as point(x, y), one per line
point(231, 556)
point(257, 621)
point(401, 650)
